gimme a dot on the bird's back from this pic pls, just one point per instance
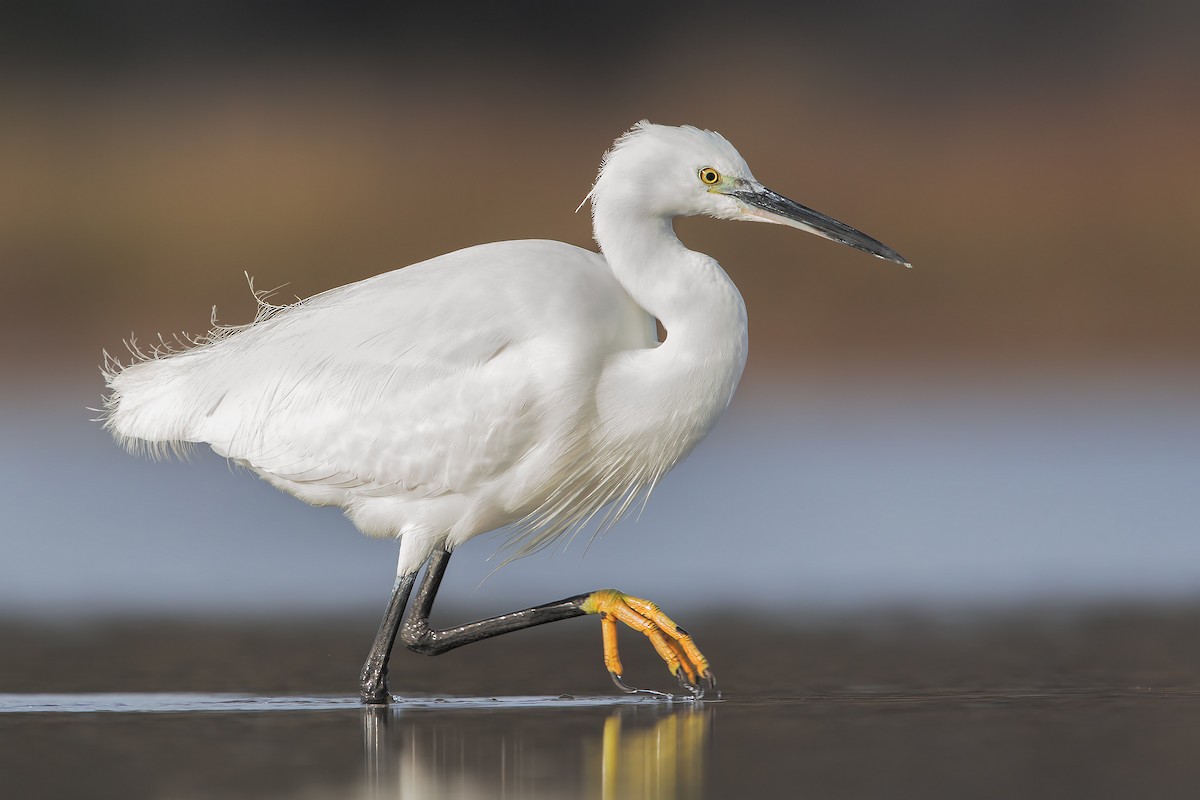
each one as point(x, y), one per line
point(461, 378)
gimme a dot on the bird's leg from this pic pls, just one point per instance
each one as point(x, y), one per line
point(373, 680)
point(672, 642)
point(419, 637)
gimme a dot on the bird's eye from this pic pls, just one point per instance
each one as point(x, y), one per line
point(709, 176)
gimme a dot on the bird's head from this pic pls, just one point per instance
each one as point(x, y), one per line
point(670, 171)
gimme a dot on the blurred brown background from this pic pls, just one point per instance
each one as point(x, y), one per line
point(1038, 164)
point(1016, 417)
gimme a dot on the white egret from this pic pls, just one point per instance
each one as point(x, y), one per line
point(515, 384)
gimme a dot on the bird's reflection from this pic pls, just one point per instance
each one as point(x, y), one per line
point(661, 758)
point(650, 750)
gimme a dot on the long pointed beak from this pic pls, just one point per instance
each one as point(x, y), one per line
point(768, 206)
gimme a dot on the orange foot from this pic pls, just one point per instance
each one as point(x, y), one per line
point(674, 645)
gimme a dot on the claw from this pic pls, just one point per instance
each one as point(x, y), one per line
point(625, 687)
point(621, 684)
point(694, 691)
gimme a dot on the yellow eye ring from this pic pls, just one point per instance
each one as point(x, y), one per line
point(709, 176)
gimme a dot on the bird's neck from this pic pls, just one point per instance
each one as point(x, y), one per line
point(687, 292)
point(681, 386)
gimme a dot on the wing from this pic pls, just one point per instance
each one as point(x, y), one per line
point(432, 379)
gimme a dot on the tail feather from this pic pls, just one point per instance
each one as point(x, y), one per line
point(147, 408)
point(157, 404)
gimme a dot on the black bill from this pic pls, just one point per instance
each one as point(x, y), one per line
point(779, 209)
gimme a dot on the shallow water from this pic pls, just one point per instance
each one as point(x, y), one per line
point(1093, 742)
point(194, 702)
point(1102, 703)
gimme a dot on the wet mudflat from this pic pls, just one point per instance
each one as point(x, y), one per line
point(1103, 703)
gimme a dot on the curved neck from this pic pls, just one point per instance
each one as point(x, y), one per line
point(687, 291)
point(688, 380)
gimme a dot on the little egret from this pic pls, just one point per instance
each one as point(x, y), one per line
point(517, 384)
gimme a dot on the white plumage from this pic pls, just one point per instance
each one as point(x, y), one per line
point(515, 383)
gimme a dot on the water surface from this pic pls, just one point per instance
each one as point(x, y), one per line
point(1102, 703)
point(1096, 742)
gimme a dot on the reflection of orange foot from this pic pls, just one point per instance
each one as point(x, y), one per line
point(674, 645)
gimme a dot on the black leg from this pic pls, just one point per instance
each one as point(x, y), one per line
point(671, 641)
point(374, 672)
point(419, 637)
